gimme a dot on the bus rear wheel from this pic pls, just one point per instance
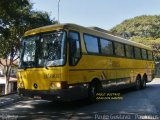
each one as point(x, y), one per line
point(143, 84)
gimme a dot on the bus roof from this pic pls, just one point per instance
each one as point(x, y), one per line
point(89, 30)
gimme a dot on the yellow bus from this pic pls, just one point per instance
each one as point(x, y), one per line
point(69, 62)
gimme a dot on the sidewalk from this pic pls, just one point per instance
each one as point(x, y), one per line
point(8, 99)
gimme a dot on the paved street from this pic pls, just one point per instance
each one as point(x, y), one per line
point(146, 101)
point(8, 99)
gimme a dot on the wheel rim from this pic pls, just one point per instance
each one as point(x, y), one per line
point(93, 91)
point(144, 83)
point(138, 84)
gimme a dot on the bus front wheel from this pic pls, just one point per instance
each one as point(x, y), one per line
point(94, 88)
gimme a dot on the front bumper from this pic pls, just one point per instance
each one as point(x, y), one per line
point(69, 94)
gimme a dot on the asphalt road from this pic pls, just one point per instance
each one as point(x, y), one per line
point(134, 105)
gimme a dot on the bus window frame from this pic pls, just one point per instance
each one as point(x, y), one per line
point(100, 47)
point(123, 50)
point(68, 39)
point(135, 53)
point(113, 47)
point(98, 43)
point(146, 54)
point(133, 57)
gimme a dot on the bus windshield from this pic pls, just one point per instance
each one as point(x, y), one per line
point(43, 50)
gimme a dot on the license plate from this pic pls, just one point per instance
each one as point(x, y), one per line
point(37, 97)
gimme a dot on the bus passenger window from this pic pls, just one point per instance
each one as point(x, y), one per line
point(137, 53)
point(150, 55)
point(119, 49)
point(129, 51)
point(91, 44)
point(106, 47)
point(144, 54)
point(75, 52)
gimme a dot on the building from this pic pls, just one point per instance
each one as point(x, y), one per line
point(12, 81)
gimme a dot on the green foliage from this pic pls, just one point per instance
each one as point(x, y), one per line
point(143, 26)
point(147, 41)
point(16, 17)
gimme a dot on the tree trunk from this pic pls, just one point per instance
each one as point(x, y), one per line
point(7, 85)
point(7, 77)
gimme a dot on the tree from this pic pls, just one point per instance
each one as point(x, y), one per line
point(143, 29)
point(142, 26)
point(16, 17)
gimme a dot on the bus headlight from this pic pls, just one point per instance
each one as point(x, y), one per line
point(55, 85)
point(58, 85)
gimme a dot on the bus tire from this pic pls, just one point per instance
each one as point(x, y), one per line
point(143, 84)
point(94, 88)
point(138, 83)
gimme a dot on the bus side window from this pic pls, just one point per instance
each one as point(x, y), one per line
point(74, 45)
point(138, 54)
point(150, 55)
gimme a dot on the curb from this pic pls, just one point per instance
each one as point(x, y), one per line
point(8, 94)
